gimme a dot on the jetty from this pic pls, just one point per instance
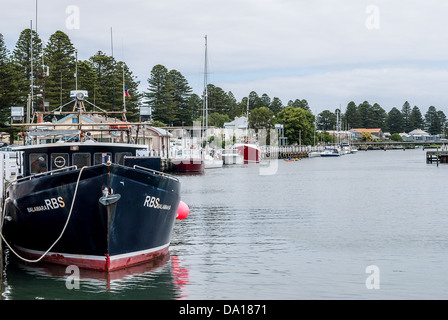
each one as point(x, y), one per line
point(438, 156)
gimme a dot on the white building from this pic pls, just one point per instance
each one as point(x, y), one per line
point(419, 135)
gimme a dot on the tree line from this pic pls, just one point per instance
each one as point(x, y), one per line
point(52, 66)
point(370, 116)
point(170, 96)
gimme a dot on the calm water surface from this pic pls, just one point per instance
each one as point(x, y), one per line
point(308, 231)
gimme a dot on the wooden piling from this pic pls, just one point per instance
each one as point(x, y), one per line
point(437, 156)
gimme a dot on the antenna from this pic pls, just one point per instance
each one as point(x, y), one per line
point(36, 16)
point(111, 42)
point(76, 69)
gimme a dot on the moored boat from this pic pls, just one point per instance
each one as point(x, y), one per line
point(250, 152)
point(231, 156)
point(78, 204)
point(212, 161)
point(330, 151)
point(188, 160)
point(314, 154)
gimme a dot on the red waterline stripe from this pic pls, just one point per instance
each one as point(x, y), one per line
point(100, 263)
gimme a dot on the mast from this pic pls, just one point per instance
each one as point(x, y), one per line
point(205, 89)
point(124, 98)
point(247, 122)
point(31, 74)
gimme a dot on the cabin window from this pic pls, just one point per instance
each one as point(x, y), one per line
point(119, 157)
point(38, 163)
point(100, 158)
point(81, 159)
point(59, 160)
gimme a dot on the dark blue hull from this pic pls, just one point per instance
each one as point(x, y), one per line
point(129, 224)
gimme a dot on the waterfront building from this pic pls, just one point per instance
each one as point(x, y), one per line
point(377, 133)
point(418, 135)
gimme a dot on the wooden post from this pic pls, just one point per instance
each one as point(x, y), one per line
point(437, 156)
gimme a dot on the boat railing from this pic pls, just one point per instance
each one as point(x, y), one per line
point(51, 172)
point(156, 172)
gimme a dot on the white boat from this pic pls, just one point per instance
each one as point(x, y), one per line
point(345, 148)
point(212, 161)
point(330, 152)
point(232, 156)
point(314, 154)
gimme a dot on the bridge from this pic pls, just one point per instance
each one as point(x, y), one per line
point(399, 143)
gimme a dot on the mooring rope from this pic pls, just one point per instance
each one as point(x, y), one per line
point(62, 232)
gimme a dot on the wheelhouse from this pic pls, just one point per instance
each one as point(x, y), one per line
point(48, 157)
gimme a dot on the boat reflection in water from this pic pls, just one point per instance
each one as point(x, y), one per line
point(163, 278)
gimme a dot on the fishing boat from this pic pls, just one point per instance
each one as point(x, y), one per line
point(78, 204)
point(81, 203)
point(188, 160)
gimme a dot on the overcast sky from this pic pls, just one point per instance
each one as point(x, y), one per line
point(328, 52)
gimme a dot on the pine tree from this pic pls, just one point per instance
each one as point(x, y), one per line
point(395, 121)
point(106, 94)
point(6, 99)
point(378, 116)
point(276, 105)
point(232, 105)
point(59, 56)
point(326, 120)
point(133, 102)
point(442, 122)
point(180, 93)
point(406, 112)
point(432, 121)
point(194, 109)
point(364, 110)
point(217, 100)
point(21, 58)
point(416, 119)
point(87, 78)
point(352, 117)
point(157, 94)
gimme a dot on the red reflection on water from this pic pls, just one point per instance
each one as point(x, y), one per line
point(181, 275)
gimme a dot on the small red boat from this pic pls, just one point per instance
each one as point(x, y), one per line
point(188, 160)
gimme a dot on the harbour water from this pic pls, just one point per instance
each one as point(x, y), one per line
point(370, 225)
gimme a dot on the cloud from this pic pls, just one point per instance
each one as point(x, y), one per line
point(389, 87)
point(318, 50)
